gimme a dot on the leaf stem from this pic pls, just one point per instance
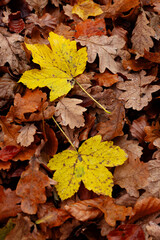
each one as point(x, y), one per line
point(64, 133)
point(91, 97)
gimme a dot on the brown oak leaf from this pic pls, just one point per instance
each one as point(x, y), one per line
point(70, 112)
point(106, 79)
point(93, 208)
point(141, 35)
point(31, 188)
point(9, 203)
point(38, 5)
point(106, 48)
point(138, 90)
point(132, 175)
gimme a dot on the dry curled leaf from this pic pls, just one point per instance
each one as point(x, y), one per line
point(93, 208)
point(153, 135)
point(106, 48)
point(70, 112)
point(26, 136)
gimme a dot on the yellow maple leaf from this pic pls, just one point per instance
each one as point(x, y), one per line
point(88, 164)
point(59, 65)
point(86, 8)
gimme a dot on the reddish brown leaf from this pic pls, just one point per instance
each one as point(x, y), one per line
point(16, 23)
point(51, 145)
point(89, 123)
point(136, 65)
point(127, 232)
point(93, 208)
point(5, 165)
point(50, 216)
point(106, 79)
point(31, 188)
point(152, 56)
point(8, 152)
point(153, 135)
point(9, 203)
point(144, 207)
point(90, 28)
point(137, 128)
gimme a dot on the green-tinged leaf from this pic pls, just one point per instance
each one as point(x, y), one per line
point(6, 229)
point(88, 164)
point(59, 65)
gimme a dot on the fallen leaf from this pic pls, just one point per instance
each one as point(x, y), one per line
point(141, 35)
point(16, 23)
point(89, 123)
point(144, 207)
point(87, 165)
point(47, 20)
point(93, 208)
point(8, 152)
point(6, 229)
point(136, 65)
point(86, 8)
point(106, 79)
point(23, 111)
point(132, 176)
point(31, 188)
point(90, 28)
point(6, 89)
point(138, 90)
point(58, 66)
point(65, 31)
point(154, 178)
point(137, 128)
point(153, 230)
point(26, 136)
point(67, 228)
point(70, 112)
point(9, 203)
point(126, 232)
point(118, 7)
point(152, 56)
point(37, 4)
point(11, 52)
point(153, 135)
point(106, 48)
point(50, 216)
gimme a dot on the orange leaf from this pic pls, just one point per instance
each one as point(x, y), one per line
point(137, 65)
point(90, 28)
point(153, 135)
point(106, 79)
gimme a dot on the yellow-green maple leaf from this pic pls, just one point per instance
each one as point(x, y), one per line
point(59, 65)
point(88, 164)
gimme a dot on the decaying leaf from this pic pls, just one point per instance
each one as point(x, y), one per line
point(141, 35)
point(70, 112)
point(31, 188)
point(93, 208)
point(86, 8)
point(87, 165)
point(138, 90)
point(9, 204)
point(26, 136)
point(132, 176)
point(58, 65)
point(106, 48)
point(153, 135)
point(37, 4)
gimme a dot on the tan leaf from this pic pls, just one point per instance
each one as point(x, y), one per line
point(131, 147)
point(37, 4)
point(153, 230)
point(92, 208)
point(106, 48)
point(26, 136)
point(138, 92)
point(141, 35)
point(132, 175)
point(11, 52)
point(154, 178)
point(31, 188)
point(70, 112)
